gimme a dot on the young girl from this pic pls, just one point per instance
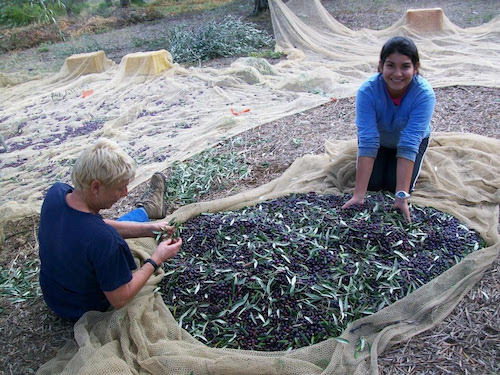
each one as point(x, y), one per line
point(393, 116)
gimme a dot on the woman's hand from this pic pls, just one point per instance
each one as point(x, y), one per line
point(355, 200)
point(402, 205)
point(364, 169)
point(162, 226)
point(120, 296)
point(166, 250)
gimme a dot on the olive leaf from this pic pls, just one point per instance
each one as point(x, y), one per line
point(163, 234)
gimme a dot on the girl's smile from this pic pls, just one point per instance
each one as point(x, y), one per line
point(397, 72)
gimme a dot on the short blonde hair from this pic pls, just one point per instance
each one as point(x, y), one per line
point(104, 161)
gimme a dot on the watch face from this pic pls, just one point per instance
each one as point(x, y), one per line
point(402, 194)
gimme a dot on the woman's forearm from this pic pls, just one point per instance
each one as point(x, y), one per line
point(363, 173)
point(404, 171)
point(131, 229)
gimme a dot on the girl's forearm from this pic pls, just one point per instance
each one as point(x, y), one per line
point(363, 172)
point(404, 171)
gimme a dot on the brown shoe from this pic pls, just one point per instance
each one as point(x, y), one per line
point(153, 199)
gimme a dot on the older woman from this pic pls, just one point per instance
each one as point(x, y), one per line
point(85, 263)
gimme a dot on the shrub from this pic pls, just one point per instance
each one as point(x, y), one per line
point(231, 37)
point(25, 12)
point(28, 37)
point(19, 15)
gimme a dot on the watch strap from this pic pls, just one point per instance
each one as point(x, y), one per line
point(153, 263)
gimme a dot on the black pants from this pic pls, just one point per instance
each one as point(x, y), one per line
point(384, 169)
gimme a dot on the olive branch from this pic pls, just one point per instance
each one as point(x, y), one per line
point(163, 234)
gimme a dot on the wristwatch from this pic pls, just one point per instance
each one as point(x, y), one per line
point(402, 195)
point(153, 263)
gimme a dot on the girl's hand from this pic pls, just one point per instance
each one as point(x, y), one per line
point(402, 205)
point(354, 201)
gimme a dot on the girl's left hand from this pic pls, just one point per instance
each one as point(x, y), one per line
point(402, 205)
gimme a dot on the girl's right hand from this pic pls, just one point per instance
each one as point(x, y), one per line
point(354, 201)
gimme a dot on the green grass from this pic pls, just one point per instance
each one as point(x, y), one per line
point(86, 43)
point(480, 18)
point(267, 53)
point(151, 44)
point(44, 47)
point(173, 7)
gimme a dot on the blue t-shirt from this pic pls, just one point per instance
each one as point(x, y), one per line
point(80, 257)
point(382, 123)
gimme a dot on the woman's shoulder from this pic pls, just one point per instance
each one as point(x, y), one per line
point(371, 84)
point(105, 236)
point(422, 84)
point(60, 187)
point(372, 80)
point(56, 194)
point(420, 93)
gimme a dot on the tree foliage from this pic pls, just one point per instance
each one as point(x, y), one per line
point(24, 12)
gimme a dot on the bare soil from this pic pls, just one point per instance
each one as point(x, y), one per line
point(466, 342)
